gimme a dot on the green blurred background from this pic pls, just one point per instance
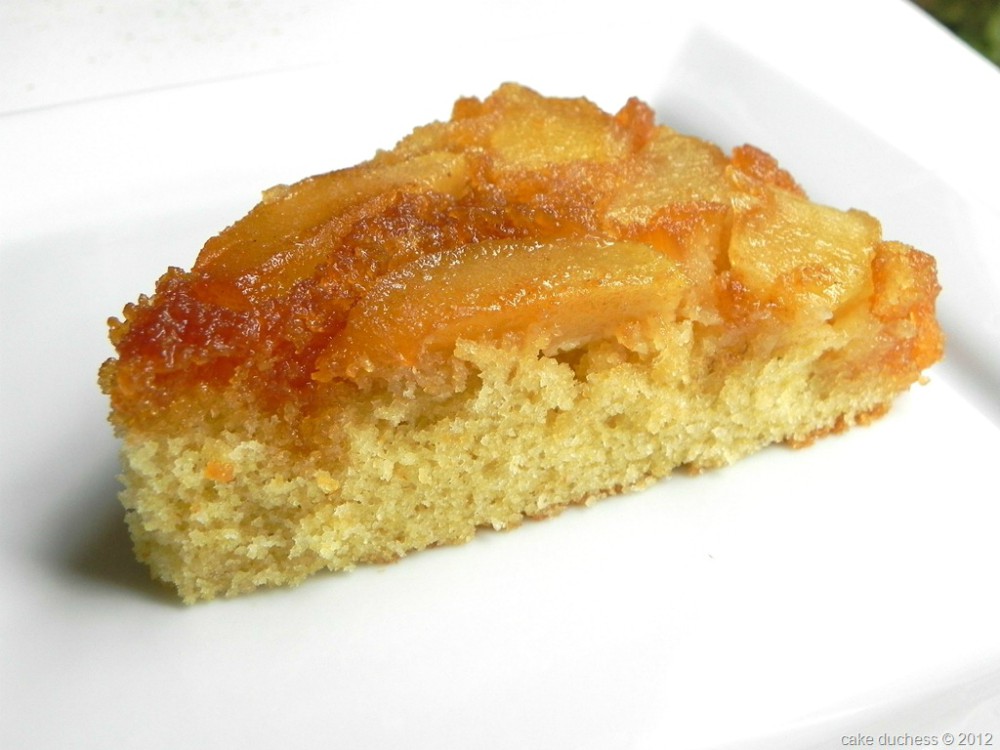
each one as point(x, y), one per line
point(975, 21)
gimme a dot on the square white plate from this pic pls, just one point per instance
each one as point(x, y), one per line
point(794, 600)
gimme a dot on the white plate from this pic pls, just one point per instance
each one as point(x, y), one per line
point(797, 599)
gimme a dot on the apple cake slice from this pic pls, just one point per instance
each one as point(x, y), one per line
point(533, 304)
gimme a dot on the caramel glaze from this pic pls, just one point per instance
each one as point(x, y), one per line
point(267, 302)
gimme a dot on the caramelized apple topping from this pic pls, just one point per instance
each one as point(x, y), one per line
point(546, 220)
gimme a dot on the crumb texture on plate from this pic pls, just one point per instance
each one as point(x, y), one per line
point(533, 304)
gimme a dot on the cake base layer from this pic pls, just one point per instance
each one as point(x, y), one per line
point(215, 513)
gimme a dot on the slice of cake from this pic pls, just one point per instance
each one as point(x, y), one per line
point(531, 305)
